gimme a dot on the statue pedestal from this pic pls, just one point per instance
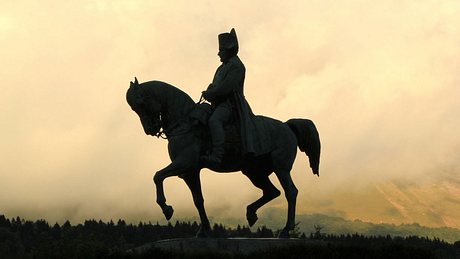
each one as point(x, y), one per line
point(223, 245)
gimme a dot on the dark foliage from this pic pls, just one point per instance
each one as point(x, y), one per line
point(96, 239)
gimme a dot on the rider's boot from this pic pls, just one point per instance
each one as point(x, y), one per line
point(218, 141)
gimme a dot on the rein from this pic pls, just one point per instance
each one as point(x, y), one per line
point(163, 133)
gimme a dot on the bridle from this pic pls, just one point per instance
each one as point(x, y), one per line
point(161, 132)
point(167, 133)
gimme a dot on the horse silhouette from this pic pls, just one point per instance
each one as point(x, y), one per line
point(165, 109)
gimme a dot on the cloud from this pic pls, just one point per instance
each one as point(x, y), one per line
point(380, 80)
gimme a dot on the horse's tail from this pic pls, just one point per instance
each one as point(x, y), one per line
point(307, 140)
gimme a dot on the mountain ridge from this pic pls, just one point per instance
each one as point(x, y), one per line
point(275, 219)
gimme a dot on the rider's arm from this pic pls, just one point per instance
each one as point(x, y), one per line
point(222, 89)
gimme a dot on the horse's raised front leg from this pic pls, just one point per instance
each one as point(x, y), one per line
point(194, 184)
point(174, 169)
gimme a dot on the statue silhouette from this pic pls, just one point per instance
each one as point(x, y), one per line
point(226, 94)
point(167, 111)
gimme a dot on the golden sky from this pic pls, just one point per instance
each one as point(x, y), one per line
point(380, 80)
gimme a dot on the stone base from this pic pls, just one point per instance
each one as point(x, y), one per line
point(223, 245)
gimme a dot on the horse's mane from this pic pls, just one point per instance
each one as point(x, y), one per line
point(169, 95)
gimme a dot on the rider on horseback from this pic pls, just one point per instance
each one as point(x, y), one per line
point(226, 96)
point(161, 105)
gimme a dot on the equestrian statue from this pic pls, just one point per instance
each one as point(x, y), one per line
point(223, 136)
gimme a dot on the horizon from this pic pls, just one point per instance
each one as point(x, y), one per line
point(330, 225)
point(264, 221)
point(379, 80)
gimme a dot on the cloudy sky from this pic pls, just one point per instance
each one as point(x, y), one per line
point(380, 80)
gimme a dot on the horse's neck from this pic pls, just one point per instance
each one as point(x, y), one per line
point(177, 105)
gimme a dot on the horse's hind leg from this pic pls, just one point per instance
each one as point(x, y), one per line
point(290, 192)
point(194, 184)
point(260, 180)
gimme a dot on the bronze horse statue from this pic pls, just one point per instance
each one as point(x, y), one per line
point(166, 110)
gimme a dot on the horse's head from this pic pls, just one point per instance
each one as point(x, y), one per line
point(146, 107)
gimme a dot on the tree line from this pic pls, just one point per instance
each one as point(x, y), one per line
point(21, 238)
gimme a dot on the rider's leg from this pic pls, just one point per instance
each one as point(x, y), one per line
point(216, 122)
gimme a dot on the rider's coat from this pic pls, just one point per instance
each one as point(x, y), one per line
point(227, 89)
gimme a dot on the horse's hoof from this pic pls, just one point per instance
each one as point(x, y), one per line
point(203, 233)
point(252, 218)
point(168, 211)
point(283, 234)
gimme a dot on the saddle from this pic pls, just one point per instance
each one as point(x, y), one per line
point(200, 116)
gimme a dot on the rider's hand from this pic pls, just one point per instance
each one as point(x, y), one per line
point(204, 95)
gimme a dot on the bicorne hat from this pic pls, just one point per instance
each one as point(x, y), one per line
point(228, 40)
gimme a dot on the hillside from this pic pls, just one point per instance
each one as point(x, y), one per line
point(275, 219)
point(21, 238)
